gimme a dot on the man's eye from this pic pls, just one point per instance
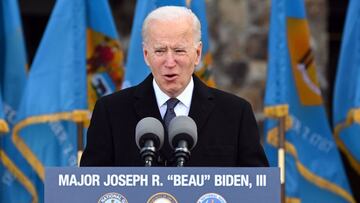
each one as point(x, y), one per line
point(159, 50)
point(180, 51)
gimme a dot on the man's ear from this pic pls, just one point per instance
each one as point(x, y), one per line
point(198, 53)
point(145, 54)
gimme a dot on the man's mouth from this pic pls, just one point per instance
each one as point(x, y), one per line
point(170, 77)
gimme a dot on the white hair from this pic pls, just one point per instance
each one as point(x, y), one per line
point(167, 13)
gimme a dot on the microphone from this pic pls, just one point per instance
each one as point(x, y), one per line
point(149, 137)
point(182, 137)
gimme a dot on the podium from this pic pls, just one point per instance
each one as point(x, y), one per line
point(162, 185)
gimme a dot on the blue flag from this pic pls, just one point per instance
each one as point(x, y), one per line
point(15, 186)
point(79, 59)
point(136, 69)
point(346, 108)
point(314, 171)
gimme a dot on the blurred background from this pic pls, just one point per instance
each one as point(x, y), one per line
point(238, 32)
point(238, 40)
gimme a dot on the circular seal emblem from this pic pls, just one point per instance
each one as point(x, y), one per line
point(112, 197)
point(211, 197)
point(162, 197)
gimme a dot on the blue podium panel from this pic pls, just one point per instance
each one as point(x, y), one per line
point(162, 185)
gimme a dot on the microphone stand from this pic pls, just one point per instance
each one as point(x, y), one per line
point(182, 153)
point(148, 153)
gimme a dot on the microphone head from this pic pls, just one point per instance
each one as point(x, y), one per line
point(182, 128)
point(149, 128)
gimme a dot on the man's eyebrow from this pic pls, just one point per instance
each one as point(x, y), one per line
point(179, 46)
point(159, 46)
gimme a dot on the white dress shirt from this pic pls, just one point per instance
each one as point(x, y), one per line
point(183, 107)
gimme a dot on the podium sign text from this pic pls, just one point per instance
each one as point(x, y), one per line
point(162, 185)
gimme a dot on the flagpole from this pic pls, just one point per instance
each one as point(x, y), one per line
point(80, 136)
point(281, 156)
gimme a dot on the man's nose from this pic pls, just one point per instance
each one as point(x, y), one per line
point(170, 60)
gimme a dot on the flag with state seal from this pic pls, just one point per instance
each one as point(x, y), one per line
point(313, 168)
point(79, 59)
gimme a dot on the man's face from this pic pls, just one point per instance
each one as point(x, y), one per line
point(171, 54)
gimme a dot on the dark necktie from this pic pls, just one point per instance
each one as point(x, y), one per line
point(170, 113)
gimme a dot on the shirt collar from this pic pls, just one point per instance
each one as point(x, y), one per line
point(185, 96)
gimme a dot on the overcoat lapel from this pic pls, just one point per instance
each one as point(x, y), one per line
point(145, 101)
point(202, 103)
